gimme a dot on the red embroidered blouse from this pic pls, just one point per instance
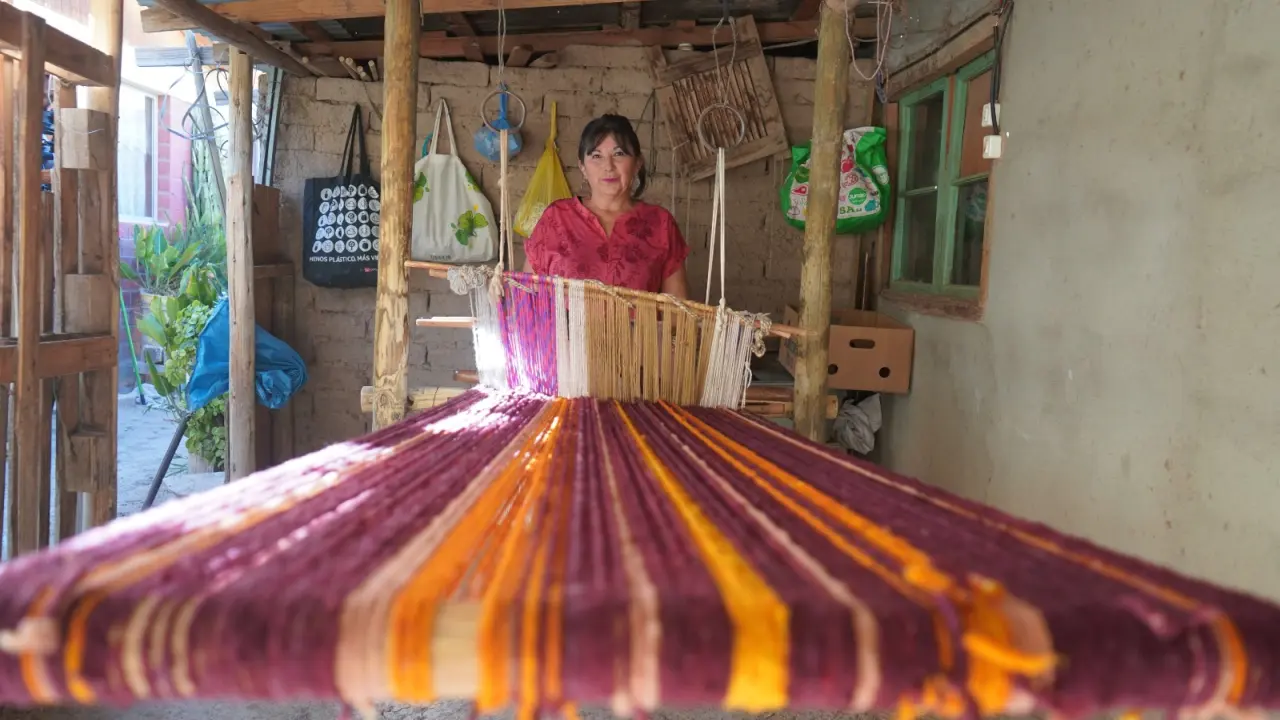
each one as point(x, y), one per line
point(645, 249)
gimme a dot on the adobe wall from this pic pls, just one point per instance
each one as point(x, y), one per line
point(334, 327)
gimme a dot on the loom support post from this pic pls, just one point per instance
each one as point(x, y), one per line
point(830, 90)
point(391, 318)
point(241, 409)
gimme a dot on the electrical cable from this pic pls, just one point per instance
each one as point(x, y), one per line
point(1003, 15)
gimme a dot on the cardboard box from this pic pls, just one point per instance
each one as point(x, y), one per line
point(868, 351)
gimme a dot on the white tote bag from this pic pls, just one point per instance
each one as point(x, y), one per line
point(453, 221)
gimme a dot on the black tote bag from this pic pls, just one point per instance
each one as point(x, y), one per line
point(340, 217)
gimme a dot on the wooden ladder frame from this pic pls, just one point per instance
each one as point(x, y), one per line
point(59, 324)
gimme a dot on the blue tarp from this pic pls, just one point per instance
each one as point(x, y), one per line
point(279, 369)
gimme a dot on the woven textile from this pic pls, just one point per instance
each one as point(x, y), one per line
point(534, 552)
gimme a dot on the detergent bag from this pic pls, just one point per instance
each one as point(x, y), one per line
point(864, 183)
point(453, 221)
point(549, 184)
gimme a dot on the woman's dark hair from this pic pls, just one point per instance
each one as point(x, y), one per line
point(619, 128)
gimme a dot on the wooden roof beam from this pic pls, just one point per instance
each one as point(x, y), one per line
point(233, 33)
point(443, 47)
point(160, 18)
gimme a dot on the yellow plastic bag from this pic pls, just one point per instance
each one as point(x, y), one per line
point(549, 184)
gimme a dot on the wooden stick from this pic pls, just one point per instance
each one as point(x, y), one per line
point(99, 254)
point(48, 219)
point(440, 270)
point(241, 414)
point(65, 184)
point(831, 86)
point(26, 445)
point(7, 144)
point(391, 318)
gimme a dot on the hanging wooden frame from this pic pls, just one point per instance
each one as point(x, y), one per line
point(688, 89)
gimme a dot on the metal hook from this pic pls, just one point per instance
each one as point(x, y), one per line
point(484, 116)
point(701, 125)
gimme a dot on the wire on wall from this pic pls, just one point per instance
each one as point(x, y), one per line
point(1003, 14)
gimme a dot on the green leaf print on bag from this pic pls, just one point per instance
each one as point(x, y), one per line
point(468, 223)
point(471, 183)
point(420, 187)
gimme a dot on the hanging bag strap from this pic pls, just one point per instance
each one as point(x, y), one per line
point(349, 148)
point(358, 129)
point(442, 111)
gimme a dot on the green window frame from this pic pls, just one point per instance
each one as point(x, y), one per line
point(954, 91)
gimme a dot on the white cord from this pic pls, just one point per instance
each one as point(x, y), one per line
point(884, 24)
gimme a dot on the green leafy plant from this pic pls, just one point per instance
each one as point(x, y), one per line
point(165, 259)
point(174, 324)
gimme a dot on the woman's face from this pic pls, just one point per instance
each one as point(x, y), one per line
point(610, 170)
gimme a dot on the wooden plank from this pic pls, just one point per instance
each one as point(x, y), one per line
point(26, 443)
point(444, 47)
point(391, 316)
point(234, 34)
point(158, 19)
point(7, 145)
point(99, 253)
point(45, 426)
point(520, 56)
point(241, 419)
point(67, 389)
point(61, 354)
point(282, 323)
point(831, 87)
point(445, 322)
point(64, 56)
point(83, 143)
point(268, 248)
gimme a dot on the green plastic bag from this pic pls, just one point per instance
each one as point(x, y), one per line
point(864, 183)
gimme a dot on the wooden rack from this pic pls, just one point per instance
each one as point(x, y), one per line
point(58, 326)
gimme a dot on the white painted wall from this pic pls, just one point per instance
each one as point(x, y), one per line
point(1125, 381)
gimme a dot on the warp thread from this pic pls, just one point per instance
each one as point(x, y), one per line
point(535, 552)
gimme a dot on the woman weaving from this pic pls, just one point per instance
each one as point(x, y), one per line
point(610, 236)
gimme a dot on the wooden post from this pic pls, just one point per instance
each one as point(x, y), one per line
point(26, 443)
point(65, 184)
point(7, 145)
point(100, 254)
point(829, 93)
point(391, 320)
point(239, 213)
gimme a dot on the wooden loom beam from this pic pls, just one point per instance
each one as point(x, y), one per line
point(764, 400)
point(830, 89)
point(391, 316)
point(440, 270)
point(241, 406)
